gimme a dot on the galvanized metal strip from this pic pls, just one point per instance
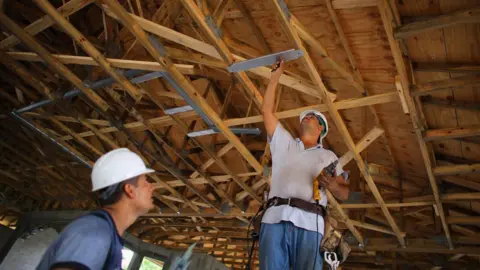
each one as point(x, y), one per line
point(213, 26)
point(178, 110)
point(266, 60)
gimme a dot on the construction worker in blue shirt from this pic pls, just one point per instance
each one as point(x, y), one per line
point(94, 242)
point(293, 224)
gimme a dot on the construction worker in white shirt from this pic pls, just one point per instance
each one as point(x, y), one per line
point(293, 225)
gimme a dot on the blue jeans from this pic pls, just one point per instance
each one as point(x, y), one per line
point(284, 246)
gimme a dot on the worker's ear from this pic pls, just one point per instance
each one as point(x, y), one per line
point(129, 190)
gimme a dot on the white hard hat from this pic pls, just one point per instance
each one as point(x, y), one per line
point(322, 119)
point(116, 166)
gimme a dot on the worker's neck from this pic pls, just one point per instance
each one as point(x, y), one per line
point(123, 216)
point(309, 141)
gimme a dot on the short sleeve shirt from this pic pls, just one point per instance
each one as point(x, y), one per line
point(293, 171)
point(90, 242)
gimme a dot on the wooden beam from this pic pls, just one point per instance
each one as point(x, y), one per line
point(142, 37)
point(389, 22)
point(320, 49)
point(343, 4)
point(447, 103)
point(462, 182)
point(210, 50)
point(456, 169)
point(256, 31)
point(27, 76)
point(221, 47)
point(89, 48)
point(369, 138)
point(342, 129)
point(371, 227)
point(451, 68)
point(52, 62)
point(167, 121)
point(453, 83)
point(464, 220)
point(471, 15)
point(451, 133)
point(389, 205)
point(89, 61)
point(43, 23)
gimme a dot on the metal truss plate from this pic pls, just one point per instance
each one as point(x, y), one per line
point(266, 60)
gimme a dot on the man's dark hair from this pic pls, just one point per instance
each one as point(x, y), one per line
point(113, 193)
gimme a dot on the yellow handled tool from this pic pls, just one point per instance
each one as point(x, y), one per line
point(327, 171)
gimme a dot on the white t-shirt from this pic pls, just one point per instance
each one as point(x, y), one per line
point(293, 171)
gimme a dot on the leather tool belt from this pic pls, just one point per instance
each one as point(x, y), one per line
point(298, 203)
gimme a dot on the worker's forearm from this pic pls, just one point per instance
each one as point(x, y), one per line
point(269, 98)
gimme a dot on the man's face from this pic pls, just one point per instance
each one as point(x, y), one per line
point(311, 125)
point(144, 194)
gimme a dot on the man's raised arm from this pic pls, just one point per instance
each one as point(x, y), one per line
point(268, 105)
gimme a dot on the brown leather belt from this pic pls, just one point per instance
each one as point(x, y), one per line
point(298, 203)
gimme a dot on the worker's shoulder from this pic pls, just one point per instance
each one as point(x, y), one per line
point(326, 152)
point(90, 224)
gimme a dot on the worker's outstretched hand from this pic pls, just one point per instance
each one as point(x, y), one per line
point(277, 70)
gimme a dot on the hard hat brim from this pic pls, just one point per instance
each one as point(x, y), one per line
point(145, 171)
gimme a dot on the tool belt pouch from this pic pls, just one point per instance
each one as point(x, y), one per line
point(333, 241)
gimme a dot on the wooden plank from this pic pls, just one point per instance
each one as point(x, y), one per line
point(464, 220)
point(371, 227)
point(451, 68)
point(343, 4)
point(89, 61)
point(89, 48)
point(210, 50)
point(224, 150)
point(167, 121)
point(369, 138)
point(251, 23)
point(320, 49)
point(43, 23)
point(462, 182)
point(455, 104)
point(346, 46)
point(453, 83)
point(141, 36)
point(52, 62)
point(456, 169)
point(401, 93)
point(341, 127)
point(197, 15)
point(451, 133)
point(389, 205)
point(26, 75)
point(471, 15)
point(388, 19)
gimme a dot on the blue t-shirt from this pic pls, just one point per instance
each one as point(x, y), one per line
point(90, 242)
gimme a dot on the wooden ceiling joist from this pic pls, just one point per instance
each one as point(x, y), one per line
point(462, 16)
point(53, 63)
point(389, 22)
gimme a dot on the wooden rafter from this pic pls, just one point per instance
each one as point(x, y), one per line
point(388, 20)
point(52, 62)
point(135, 28)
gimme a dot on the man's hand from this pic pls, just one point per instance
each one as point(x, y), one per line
point(277, 70)
point(340, 191)
point(327, 181)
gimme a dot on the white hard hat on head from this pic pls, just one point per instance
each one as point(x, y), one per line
point(321, 118)
point(116, 166)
